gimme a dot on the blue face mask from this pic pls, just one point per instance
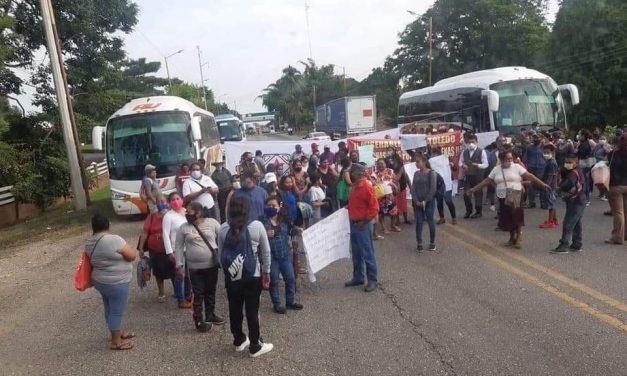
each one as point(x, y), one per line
point(161, 206)
point(270, 212)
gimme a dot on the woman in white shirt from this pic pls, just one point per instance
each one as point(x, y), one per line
point(172, 221)
point(509, 176)
point(317, 197)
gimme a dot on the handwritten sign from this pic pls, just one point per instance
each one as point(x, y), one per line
point(327, 241)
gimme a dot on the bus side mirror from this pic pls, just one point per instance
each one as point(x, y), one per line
point(493, 99)
point(196, 134)
point(570, 93)
point(96, 137)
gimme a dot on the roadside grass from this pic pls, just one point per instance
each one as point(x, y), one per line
point(59, 222)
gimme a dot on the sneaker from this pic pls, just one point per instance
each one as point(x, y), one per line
point(279, 309)
point(547, 225)
point(467, 215)
point(603, 198)
point(432, 247)
point(419, 248)
point(262, 349)
point(587, 203)
point(476, 215)
point(441, 221)
point(242, 346)
point(203, 326)
point(575, 250)
point(215, 319)
point(352, 283)
point(185, 305)
point(294, 306)
point(370, 287)
point(560, 251)
point(492, 208)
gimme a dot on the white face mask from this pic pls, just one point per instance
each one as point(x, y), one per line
point(196, 174)
point(569, 166)
point(472, 147)
point(237, 185)
point(602, 141)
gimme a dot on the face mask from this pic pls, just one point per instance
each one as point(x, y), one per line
point(191, 218)
point(270, 212)
point(196, 174)
point(237, 185)
point(472, 147)
point(161, 206)
point(298, 169)
point(602, 142)
point(569, 166)
point(176, 204)
point(548, 156)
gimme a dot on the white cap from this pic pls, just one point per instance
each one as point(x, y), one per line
point(270, 177)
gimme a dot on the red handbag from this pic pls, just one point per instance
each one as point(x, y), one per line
point(82, 278)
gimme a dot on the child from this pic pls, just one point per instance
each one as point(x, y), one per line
point(548, 198)
point(279, 229)
point(571, 188)
point(317, 197)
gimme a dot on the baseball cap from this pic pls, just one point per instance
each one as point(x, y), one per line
point(270, 177)
point(314, 145)
point(149, 167)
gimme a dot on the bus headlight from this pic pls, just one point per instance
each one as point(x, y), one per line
point(119, 196)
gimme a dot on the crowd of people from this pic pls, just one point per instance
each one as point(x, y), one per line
point(249, 222)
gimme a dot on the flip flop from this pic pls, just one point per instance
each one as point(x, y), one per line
point(161, 298)
point(127, 335)
point(378, 237)
point(125, 345)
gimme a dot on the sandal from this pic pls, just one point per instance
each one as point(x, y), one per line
point(396, 229)
point(386, 232)
point(378, 237)
point(124, 345)
point(127, 335)
point(161, 298)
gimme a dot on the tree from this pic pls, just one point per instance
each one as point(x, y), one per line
point(470, 35)
point(588, 47)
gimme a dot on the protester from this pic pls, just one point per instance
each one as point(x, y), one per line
point(241, 241)
point(172, 222)
point(550, 177)
point(508, 177)
point(200, 188)
point(473, 161)
point(151, 241)
point(279, 229)
point(586, 160)
point(363, 208)
point(423, 190)
point(248, 167)
point(150, 188)
point(341, 153)
point(301, 179)
point(618, 191)
point(222, 177)
point(328, 177)
point(298, 153)
point(255, 195)
point(260, 162)
point(203, 167)
point(270, 184)
point(181, 176)
point(236, 185)
point(327, 155)
point(344, 184)
point(112, 269)
point(313, 165)
point(534, 160)
point(287, 190)
point(572, 189)
point(387, 204)
point(600, 153)
point(314, 149)
point(563, 148)
point(197, 248)
point(317, 197)
point(394, 161)
point(441, 164)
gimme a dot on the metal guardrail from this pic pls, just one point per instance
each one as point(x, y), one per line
point(6, 197)
point(98, 169)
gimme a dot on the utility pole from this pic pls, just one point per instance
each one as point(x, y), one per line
point(430, 48)
point(311, 58)
point(167, 69)
point(80, 200)
point(202, 79)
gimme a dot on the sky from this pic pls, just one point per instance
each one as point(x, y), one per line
point(246, 43)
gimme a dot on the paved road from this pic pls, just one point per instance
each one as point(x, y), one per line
point(472, 308)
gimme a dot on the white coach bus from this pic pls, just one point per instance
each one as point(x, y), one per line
point(504, 99)
point(164, 131)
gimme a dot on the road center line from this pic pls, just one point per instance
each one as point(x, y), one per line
point(600, 315)
point(606, 299)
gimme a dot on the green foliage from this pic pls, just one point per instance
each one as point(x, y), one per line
point(588, 47)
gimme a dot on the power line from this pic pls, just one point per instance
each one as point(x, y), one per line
point(600, 58)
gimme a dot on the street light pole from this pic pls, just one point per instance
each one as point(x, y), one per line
point(167, 68)
point(80, 199)
point(202, 79)
point(430, 48)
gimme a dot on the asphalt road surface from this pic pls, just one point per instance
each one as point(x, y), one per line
point(471, 308)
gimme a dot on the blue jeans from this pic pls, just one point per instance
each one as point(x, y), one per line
point(587, 178)
point(182, 287)
point(572, 227)
point(282, 266)
point(421, 215)
point(447, 198)
point(362, 252)
point(115, 299)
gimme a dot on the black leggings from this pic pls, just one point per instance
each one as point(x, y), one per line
point(204, 283)
point(448, 198)
point(244, 296)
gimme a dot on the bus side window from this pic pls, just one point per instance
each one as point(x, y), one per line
point(208, 130)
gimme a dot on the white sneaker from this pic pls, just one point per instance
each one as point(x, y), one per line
point(243, 346)
point(493, 208)
point(265, 347)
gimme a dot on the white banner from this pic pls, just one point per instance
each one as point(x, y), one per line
point(413, 141)
point(486, 138)
point(327, 241)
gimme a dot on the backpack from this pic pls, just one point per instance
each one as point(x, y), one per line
point(440, 187)
point(238, 261)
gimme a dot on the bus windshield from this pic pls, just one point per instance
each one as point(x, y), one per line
point(230, 130)
point(162, 139)
point(529, 101)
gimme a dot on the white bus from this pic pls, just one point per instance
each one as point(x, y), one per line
point(231, 128)
point(164, 131)
point(504, 99)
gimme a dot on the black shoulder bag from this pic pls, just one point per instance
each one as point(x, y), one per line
point(213, 251)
